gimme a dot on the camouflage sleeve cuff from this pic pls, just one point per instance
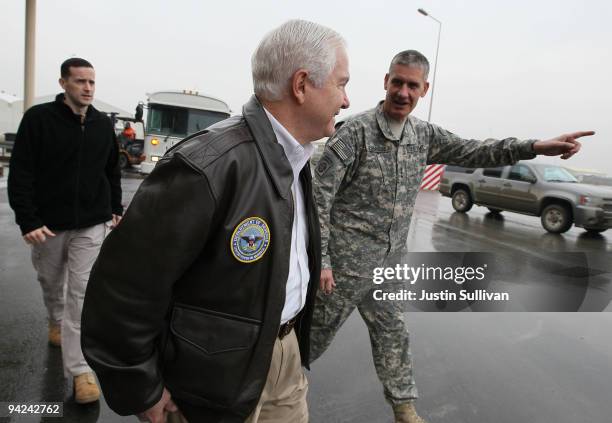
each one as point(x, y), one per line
point(526, 150)
point(325, 262)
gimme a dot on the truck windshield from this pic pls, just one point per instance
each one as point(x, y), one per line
point(557, 174)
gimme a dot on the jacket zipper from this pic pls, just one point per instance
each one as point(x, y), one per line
point(78, 175)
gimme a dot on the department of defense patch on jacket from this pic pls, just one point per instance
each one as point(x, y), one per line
point(250, 240)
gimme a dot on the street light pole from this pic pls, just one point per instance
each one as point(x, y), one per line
point(433, 83)
point(30, 55)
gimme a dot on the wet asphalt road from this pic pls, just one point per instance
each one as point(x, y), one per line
point(469, 367)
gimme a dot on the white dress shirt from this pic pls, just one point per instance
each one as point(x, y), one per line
point(299, 273)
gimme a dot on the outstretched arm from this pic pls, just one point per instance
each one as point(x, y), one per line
point(448, 148)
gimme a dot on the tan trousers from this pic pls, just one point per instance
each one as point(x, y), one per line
point(63, 263)
point(283, 399)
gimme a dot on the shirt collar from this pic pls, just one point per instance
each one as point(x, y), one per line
point(296, 153)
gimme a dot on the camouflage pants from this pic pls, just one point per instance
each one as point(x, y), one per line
point(389, 336)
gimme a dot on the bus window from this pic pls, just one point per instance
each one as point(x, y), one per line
point(202, 119)
point(166, 120)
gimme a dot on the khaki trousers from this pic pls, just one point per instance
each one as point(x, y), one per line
point(283, 399)
point(63, 263)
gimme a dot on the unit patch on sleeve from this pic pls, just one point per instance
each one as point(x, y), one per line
point(325, 163)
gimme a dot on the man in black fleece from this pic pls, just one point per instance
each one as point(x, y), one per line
point(64, 185)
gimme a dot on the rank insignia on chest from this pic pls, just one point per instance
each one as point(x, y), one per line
point(250, 240)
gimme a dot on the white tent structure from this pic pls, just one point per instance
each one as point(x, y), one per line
point(11, 110)
point(10, 115)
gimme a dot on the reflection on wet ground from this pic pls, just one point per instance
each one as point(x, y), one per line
point(437, 227)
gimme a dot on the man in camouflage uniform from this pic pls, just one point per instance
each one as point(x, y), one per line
point(366, 183)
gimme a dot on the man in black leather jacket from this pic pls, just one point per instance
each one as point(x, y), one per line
point(205, 290)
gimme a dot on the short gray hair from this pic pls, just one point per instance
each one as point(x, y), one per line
point(411, 58)
point(297, 44)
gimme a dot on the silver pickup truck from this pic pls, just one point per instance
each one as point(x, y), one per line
point(547, 191)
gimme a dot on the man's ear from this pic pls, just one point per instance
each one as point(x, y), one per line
point(298, 85)
point(386, 80)
point(62, 83)
point(426, 88)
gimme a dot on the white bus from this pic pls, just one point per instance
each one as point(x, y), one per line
point(173, 115)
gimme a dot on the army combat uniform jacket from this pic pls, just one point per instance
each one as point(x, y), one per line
point(367, 180)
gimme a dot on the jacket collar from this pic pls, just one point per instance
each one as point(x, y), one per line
point(383, 124)
point(90, 114)
point(271, 151)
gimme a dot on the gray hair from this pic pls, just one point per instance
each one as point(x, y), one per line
point(297, 44)
point(411, 58)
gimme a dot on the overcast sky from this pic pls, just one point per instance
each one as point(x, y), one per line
point(530, 69)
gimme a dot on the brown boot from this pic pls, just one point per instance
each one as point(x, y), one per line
point(55, 334)
point(86, 389)
point(405, 413)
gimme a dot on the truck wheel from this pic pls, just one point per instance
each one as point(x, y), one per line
point(124, 163)
point(556, 218)
point(494, 211)
point(462, 202)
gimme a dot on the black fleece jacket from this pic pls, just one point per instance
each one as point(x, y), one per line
point(63, 173)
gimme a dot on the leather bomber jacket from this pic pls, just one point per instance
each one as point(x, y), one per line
point(169, 304)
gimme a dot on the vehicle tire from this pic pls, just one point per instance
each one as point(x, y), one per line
point(124, 163)
point(556, 218)
point(494, 211)
point(595, 231)
point(462, 202)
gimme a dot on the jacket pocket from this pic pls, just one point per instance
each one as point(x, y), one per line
point(208, 354)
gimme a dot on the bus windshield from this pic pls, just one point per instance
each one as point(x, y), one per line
point(202, 119)
point(179, 121)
